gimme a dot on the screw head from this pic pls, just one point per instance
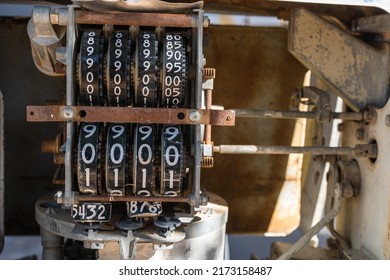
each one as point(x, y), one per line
point(68, 113)
point(194, 116)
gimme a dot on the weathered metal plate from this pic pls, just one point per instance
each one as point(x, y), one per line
point(254, 70)
point(130, 115)
point(354, 70)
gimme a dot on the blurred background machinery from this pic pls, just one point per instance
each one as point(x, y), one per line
point(149, 153)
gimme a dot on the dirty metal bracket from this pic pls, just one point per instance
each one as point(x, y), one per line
point(356, 71)
point(130, 115)
point(373, 24)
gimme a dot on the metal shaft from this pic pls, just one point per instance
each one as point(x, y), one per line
point(278, 114)
point(207, 133)
point(282, 150)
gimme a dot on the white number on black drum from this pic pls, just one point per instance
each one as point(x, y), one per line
point(139, 209)
point(116, 159)
point(146, 70)
point(173, 71)
point(118, 84)
point(90, 68)
point(172, 160)
point(88, 158)
point(91, 212)
point(143, 163)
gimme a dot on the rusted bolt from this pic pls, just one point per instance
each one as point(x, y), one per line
point(68, 113)
point(228, 118)
point(194, 116)
point(387, 120)
point(360, 133)
point(370, 115)
point(340, 127)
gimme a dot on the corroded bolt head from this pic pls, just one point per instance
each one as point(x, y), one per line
point(68, 113)
point(194, 116)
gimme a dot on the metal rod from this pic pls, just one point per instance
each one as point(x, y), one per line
point(320, 225)
point(70, 97)
point(279, 114)
point(104, 198)
point(137, 19)
point(282, 150)
point(207, 132)
point(197, 17)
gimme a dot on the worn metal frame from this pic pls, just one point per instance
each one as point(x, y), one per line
point(1, 173)
point(130, 115)
point(72, 114)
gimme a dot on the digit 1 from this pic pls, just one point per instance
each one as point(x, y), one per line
point(116, 177)
point(87, 175)
point(171, 179)
point(143, 178)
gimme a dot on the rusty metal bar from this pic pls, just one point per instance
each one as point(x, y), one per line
point(130, 115)
point(137, 19)
point(105, 198)
point(369, 150)
point(279, 114)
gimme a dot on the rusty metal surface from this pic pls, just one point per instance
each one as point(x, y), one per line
point(255, 70)
point(137, 19)
point(140, 6)
point(129, 115)
point(374, 24)
point(344, 62)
